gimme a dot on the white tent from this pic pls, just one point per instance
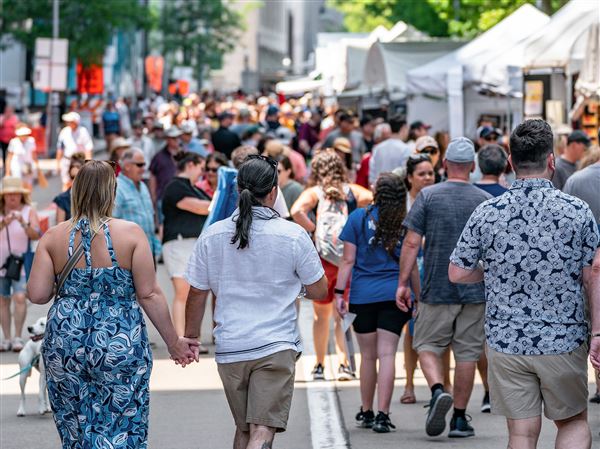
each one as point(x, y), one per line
point(388, 63)
point(562, 42)
point(447, 92)
point(475, 56)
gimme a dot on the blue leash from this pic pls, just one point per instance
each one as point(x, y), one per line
point(28, 368)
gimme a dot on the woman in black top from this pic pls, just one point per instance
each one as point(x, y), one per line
point(185, 208)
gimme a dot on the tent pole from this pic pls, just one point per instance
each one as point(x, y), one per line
point(569, 96)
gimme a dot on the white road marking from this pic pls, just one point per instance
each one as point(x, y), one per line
point(327, 427)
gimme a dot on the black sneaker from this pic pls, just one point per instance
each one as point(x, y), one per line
point(318, 372)
point(345, 373)
point(596, 398)
point(485, 404)
point(365, 419)
point(383, 424)
point(460, 427)
point(436, 416)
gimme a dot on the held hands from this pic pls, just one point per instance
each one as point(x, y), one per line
point(185, 351)
point(403, 298)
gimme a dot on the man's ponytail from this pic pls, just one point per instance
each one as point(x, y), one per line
point(256, 179)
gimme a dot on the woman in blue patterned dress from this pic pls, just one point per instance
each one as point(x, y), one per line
point(96, 351)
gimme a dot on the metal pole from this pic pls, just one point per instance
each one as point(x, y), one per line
point(54, 100)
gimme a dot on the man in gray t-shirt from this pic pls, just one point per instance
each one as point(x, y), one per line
point(585, 184)
point(448, 314)
point(566, 164)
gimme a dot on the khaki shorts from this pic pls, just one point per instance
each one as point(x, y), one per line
point(438, 326)
point(519, 384)
point(260, 391)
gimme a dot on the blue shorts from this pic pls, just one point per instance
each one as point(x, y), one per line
point(8, 287)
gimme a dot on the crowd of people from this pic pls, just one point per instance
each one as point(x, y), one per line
point(366, 214)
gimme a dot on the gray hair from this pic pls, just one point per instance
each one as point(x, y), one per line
point(129, 154)
point(492, 160)
point(380, 130)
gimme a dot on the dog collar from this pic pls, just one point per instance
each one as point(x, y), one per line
point(37, 337)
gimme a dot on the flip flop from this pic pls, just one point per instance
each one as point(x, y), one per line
point(408, 398)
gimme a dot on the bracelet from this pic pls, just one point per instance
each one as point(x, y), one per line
point(339, 291)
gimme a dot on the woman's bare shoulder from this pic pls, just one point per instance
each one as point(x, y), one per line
point(127, 229)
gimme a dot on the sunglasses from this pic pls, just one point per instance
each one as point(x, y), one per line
point(212, 170)
point(139, 164)
point(272, 162)
point(430, 150)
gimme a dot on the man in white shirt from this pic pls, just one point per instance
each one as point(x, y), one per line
point(391, 153)
point(71, 139)
point(256, 264)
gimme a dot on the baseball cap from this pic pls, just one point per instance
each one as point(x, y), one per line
point(342, 144)
point(71, 117)
point(225, 115)
point(460, 150)
point(284, 135)
point(425, 142)
point(486, 131)
point(173, 132)
point(419, 124)
point(188, 128)
point(579, 136)
point(272, 110)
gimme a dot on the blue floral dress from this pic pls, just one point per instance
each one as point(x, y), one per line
point(97, 356)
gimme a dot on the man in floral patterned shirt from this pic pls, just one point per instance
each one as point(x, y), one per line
point(536, 246)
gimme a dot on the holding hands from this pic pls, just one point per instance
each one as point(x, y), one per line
point(184, 351)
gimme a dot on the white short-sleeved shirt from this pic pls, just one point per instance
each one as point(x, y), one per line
point(256, 287)
point(71, 142)
point(22, 156)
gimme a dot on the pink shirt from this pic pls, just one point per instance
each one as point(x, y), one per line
point(299, 165)
point(18, 238)
point(7, 129)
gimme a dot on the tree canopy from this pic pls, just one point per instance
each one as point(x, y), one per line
point(88, 25)
point(200, 33)
point(440, 18)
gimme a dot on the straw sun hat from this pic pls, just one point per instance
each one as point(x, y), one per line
point(11, 184)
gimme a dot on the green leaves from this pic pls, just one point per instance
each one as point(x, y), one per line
point(441, 18)
point(199, 33)
point(89, 25)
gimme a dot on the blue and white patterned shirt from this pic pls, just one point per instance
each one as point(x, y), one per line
point(534, 242)
point(133, 204)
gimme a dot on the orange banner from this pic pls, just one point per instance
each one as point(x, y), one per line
point(154, 72)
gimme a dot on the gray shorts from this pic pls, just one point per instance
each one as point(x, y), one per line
point(438, 326)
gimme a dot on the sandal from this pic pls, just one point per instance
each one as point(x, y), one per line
point(408, 398)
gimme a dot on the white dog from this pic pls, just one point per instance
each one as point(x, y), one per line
point(31, 355)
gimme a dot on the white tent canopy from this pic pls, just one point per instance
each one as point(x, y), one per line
point(562, 42)
point(388, 63)
point(479, 56)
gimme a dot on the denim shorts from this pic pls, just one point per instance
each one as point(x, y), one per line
point(8, 287)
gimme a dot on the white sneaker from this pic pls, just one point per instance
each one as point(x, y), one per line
point(17, 344)
point(5, 345)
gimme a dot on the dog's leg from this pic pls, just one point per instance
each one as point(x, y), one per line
point(44, 402)
point(22, 381)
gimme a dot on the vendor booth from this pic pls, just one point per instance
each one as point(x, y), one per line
point(482, 78)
